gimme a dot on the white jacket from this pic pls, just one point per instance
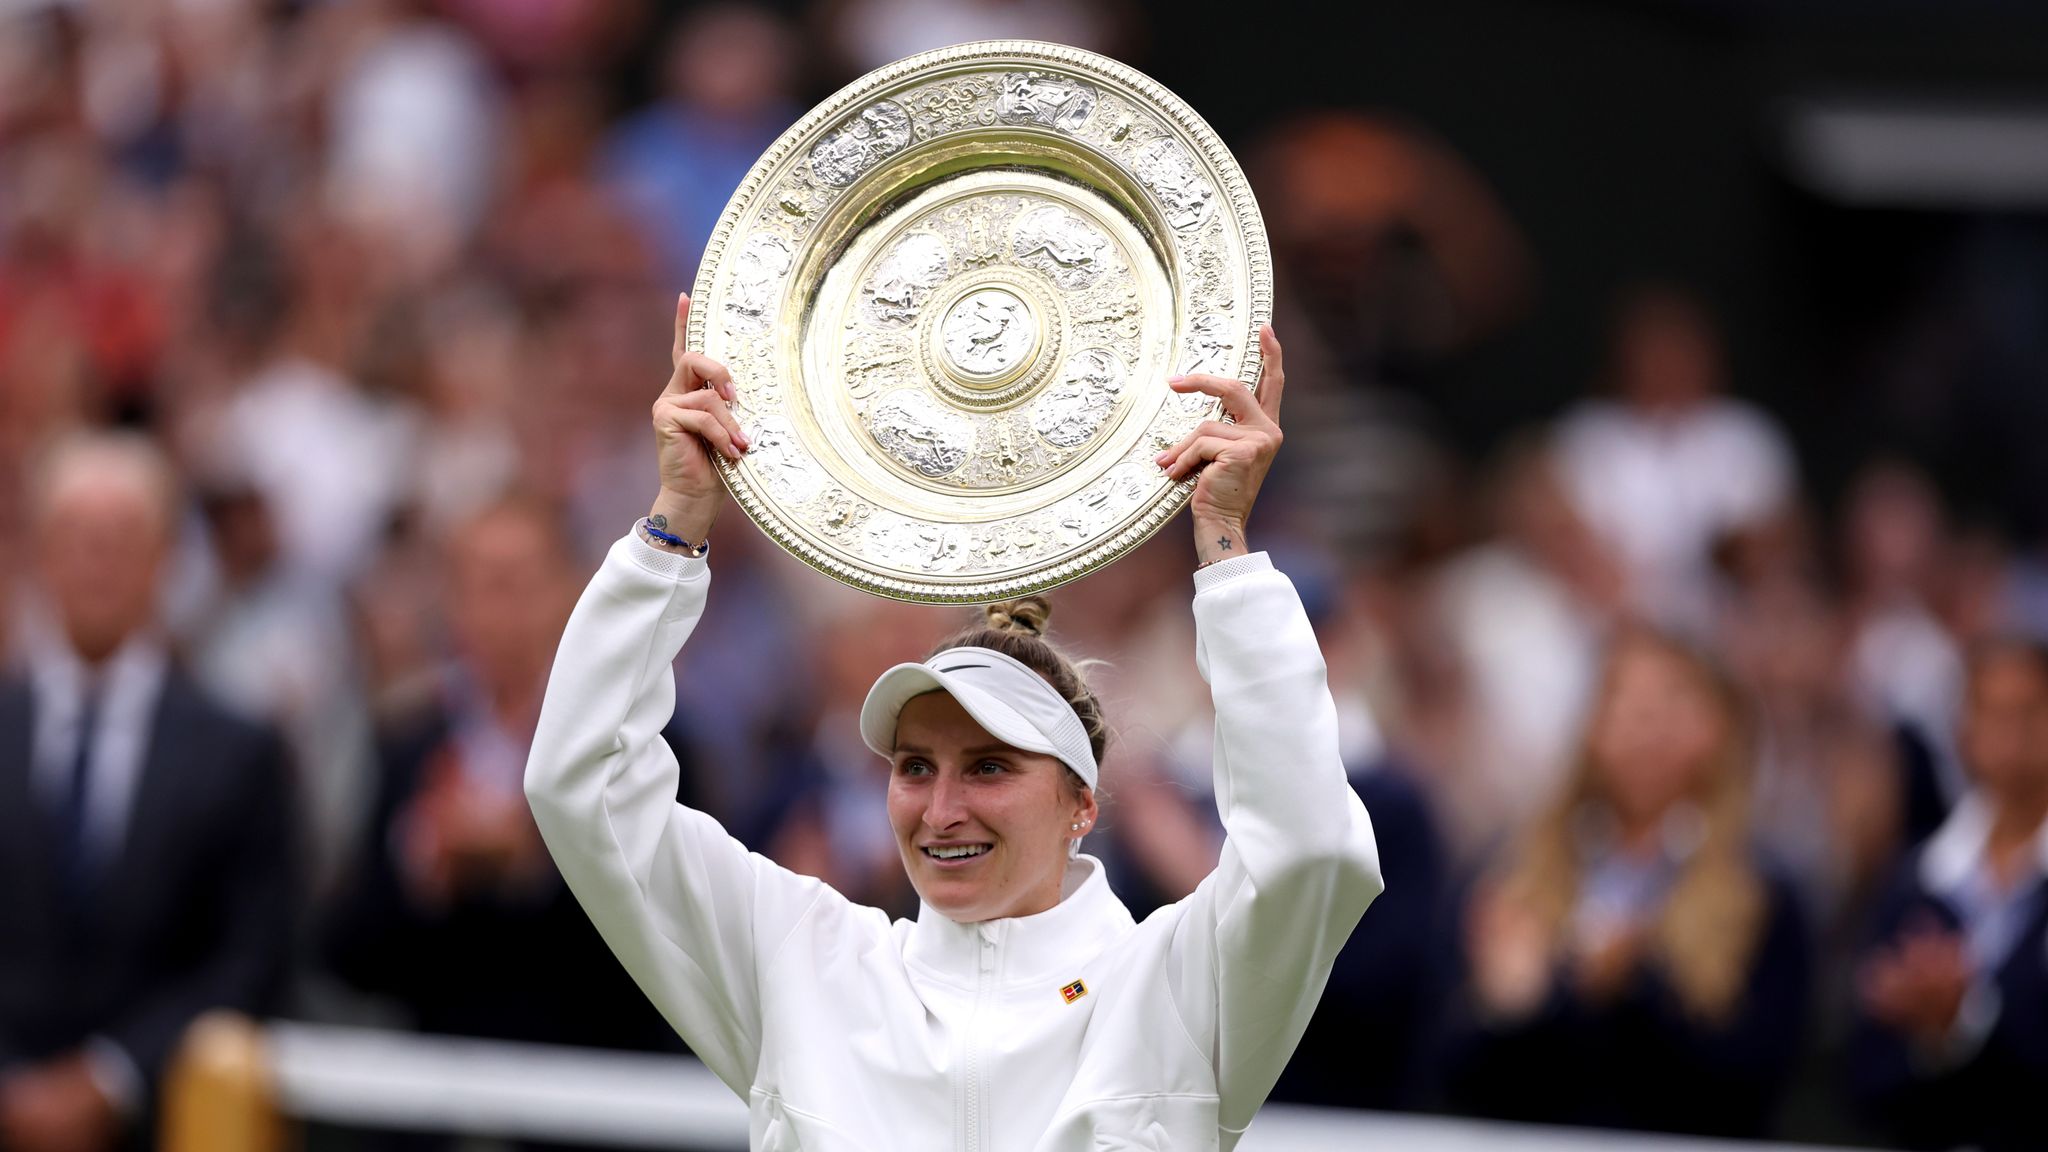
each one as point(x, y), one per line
point(844, 1031)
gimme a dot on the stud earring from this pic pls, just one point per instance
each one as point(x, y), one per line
point(1077, 827)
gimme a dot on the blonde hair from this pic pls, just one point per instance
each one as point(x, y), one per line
point(1708, 929)
point(1016, 628)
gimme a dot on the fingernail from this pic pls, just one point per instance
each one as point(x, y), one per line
point(1175, 379)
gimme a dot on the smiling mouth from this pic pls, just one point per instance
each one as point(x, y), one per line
point(956, 851)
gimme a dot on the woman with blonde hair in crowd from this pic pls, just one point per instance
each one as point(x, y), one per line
point(1632, 961)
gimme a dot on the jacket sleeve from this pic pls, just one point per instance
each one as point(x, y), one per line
point(691, 913)
point(1255, 941)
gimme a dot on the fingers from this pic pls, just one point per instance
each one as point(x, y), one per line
point(701, 414)
point(1197, 452)
point(1207, 429)
point(1235, 394)
point(1272, 377)
point(695, 370)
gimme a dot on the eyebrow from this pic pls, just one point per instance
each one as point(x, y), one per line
point(977, 750)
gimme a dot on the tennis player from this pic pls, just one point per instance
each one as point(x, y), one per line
point(1024, 1008)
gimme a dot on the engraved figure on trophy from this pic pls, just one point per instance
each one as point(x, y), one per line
point(783, 464)
point(1047, 101)
point(879, 131)
point(1074, 410)
point(896, 289)
point(1060, 244)
point(1208, 345)
point(1166, 168)
point(756, 283)
point(989, 332)
point(920, 433)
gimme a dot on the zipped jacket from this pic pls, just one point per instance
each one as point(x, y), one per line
point(1074, 1029)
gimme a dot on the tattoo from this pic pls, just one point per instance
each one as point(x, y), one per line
point(1223, 542)
point(658, 522)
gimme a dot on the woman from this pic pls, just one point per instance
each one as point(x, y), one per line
point(1632, 963)
point(1950, 1046)
point(1023, 1008)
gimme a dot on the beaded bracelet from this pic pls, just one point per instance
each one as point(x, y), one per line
point(657, 533)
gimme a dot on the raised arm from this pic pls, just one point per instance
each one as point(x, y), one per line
point(690, 913)
point(1255, 941)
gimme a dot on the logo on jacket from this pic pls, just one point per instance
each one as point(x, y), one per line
point(1074, 991)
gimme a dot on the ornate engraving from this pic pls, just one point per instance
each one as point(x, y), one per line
point(1166, 168)
point(920, 433)
point(1036, 423)
point(1047, 101)
point(942, 108)
point(756, 283)
point(1070, 250)
point(899, 541)
point(781, 461)
point(881, 130)
point(1208, 345)
point(1074, 410)
point(896, 289)
point(988, 333)
point(840, 511)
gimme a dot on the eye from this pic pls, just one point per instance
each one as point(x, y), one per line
point(989, 768)
point(913, 768)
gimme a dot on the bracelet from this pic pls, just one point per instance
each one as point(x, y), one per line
point(657, 533)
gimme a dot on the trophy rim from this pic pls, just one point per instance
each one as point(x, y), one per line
point(1190, 129)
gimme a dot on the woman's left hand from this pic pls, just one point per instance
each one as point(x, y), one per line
point(1233, 457)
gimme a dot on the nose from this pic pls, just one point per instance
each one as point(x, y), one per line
point(944, 806)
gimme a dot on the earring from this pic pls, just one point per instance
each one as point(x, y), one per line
point(1077, 827)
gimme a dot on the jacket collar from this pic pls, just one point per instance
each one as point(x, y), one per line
point(1051, 944)
point(1956, 850)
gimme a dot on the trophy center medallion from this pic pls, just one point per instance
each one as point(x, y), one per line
point(987, 338)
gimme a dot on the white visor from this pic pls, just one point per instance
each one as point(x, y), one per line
point(1014, 704)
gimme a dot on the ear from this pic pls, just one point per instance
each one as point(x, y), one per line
point(1085, 813)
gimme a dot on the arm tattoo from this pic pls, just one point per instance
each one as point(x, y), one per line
point(658, 522)
point(1223, 542)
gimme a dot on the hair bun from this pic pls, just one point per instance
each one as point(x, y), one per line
point(1026, 616)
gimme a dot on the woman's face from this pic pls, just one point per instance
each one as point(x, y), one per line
point(1656, 728)
point(2005, 726)
point(983, 827)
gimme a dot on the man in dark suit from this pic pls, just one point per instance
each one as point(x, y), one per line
point(146, 841)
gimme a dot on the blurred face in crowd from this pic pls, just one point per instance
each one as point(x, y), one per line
point(2005, 725)
point(510, 593)
point(983, 827)
point(732, 59)
point(1666, 353)
point(1656, 730)
point(102, 535)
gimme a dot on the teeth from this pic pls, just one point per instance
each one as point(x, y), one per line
point(956, 852)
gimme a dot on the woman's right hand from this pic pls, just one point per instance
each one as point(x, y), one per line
point(692, 419)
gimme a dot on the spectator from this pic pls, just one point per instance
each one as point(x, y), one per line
point(1951, 1047)
point(1525, 615)
point(1671, 466)
point(147, 849)
point(1393, 259)
point(1632, 962)
point(275, 645)
point(457, 914)
point(726, 82)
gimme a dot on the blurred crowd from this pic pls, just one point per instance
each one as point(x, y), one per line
point(327, 333)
